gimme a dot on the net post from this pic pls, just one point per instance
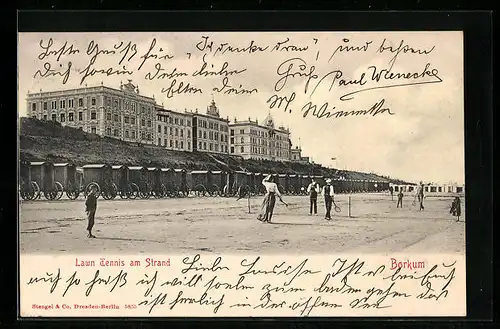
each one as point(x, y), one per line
point(349, 206)
point(248, 198)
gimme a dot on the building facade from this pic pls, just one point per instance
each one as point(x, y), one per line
point(296, 155)
point(173, 130)
point(251, 140)
point(122, 114)
point(210, 131)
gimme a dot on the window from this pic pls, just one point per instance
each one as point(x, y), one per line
point(171, 131)
point(171, 143)
point(93, 101)
point(189, 133)
point(132, 120)
point(93, 115)
point(80, 116)
point(242, 131)
point(143, 122)
point(165, 142)
point(169, 119)
point(176, 144)
point(232, 132)
point(115, 103)
point(108, 116)
point(182, 132)
point(93, 130)
point(216, 147)
point(108, 131)
point(232, 149)
point(63, 117)
point(188, 122)
point(33, 107)
point(126, 119)
point(159, 129)
point(200, 133)
point(232, 140)
point(226, 148)
point(70, 103)
point(116, 117)
point(143, 136)
point(205, 135)
point(53, 105)
point(199, 145)
point(80, 101)
point(149, 137)
point(126, 134)
point(165, 130)
point(45, 106)
point(189, 146)
point(116, 133)
point(71, 117)
point(45, 116)
point(182, 122)
point(133, 134)
point(242, 140)
point(159, 141)
point(204, 145)
point(149, 124)
point(176, 121)
point(63, 104)
point(210, 146)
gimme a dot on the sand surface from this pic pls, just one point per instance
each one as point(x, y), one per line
point(224, 225)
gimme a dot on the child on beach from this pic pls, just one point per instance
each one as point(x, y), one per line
point(400, 199)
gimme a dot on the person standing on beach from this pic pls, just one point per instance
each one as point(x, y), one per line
point(90, 209)
point(269, 201)
point(328, 194)
point(420, 196)
point(400, 199)
point(312, 189)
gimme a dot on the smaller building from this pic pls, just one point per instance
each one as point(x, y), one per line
point(251, 140)
point(296, 155)
point(210, 131)
point(173, 130)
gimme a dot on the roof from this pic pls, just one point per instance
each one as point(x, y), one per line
point(199, 172)
point(282, 175)
point(38, 163)
point(118, 166)
point(62, 164)
point(153, 169)
point(217, 172)
point(179, 170)
point(136, 168)
point(166, 169)
point(95, 166)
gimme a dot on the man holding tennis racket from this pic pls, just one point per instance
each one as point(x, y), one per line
point(328, 194)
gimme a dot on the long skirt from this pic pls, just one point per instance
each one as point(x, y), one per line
point(267, 207)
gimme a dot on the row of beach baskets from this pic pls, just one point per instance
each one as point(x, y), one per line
point(53, 180)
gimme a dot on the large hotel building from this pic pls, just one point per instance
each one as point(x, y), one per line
point(251, 140)
point(127, 115)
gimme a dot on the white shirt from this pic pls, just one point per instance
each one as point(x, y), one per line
point(311, 186)
point(270, 186)
point(331, 189)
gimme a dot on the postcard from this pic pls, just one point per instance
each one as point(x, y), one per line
point(241, 174)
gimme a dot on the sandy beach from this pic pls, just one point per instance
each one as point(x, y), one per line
point(225, 226)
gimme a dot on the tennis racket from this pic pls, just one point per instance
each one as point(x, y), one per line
point(337, 208)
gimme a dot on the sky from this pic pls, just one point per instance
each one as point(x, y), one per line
point(421, 137)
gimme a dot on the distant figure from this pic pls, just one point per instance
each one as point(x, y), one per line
point(312, 189)
point(391, 190)
point(455, 209)
point(400, 199)
point(328, 194)
point(266, 212)
point(420, 196)
point(90, 209)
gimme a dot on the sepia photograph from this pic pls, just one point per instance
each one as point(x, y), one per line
point(241, 142)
